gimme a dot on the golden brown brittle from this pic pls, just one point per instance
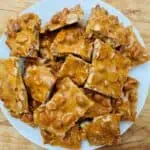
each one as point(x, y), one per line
point(134, 50)
point(12, 89)
point(72, 41)
point(68, 98)
point(40, 82)
point(126, 106)
point(66, 106)
point(106, 27)
point(54, 66)
point(23, 35)
point(64, 18)
point(109, 71)
point(74, 68)
point(72, 138)
point(104, 130)
point(46, 41)
point(102, 104)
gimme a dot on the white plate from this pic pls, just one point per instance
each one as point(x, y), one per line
point(45, 9)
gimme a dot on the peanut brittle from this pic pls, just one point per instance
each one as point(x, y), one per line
point(72, 41)
point(66, 106)
point(109, 71)
point(134, 51)
point(54, 66)
point(64, 18)
point(72, 138)
point(106, 27)
point(78, 75)
point(126, 106)
point(104, 130)
point(40, 82)
point(12, 89)
point(102, 104)
point(46, 41)
point(23, 35)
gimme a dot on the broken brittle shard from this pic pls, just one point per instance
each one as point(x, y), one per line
point(40, 82)
point(52, 65)
point(126, 105)
point(104, 130)
point(64, 18)
point(133, 50)
point(107, 28)
point(78, 75)
point(66, 106)
point(46, 41)
point(23, 35)
point(72, 139)
point(102, 104)
point(108, 72)
point(12, 89)
point(72, 41)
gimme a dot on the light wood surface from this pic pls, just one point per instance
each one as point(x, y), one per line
point(138, 136)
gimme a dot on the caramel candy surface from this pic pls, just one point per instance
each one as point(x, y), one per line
point(40, 82)
point(72, 41)
point(12, 89)
point(66, 106)
point(108, 72)
point(64, 18)
point(75, 68)
point(23, 35)
point(104, 130)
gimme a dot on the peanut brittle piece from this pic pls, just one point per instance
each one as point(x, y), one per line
point(46, 41)
point(23, 35)
point(104, 130)
point(12, 89)
point(108, 72)
point(106, 27)
point(40, 82)
point(137, 54)
point(66, 106)
point(72, 138)
point(78, 75)
point(102, 104)
point(126, 106)
point(134, 50)
point(53, 65)
point(72, 41)
point(64, 18)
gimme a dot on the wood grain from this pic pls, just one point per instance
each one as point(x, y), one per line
point(138, 136)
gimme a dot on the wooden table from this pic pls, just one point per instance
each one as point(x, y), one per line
point(138, 136)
